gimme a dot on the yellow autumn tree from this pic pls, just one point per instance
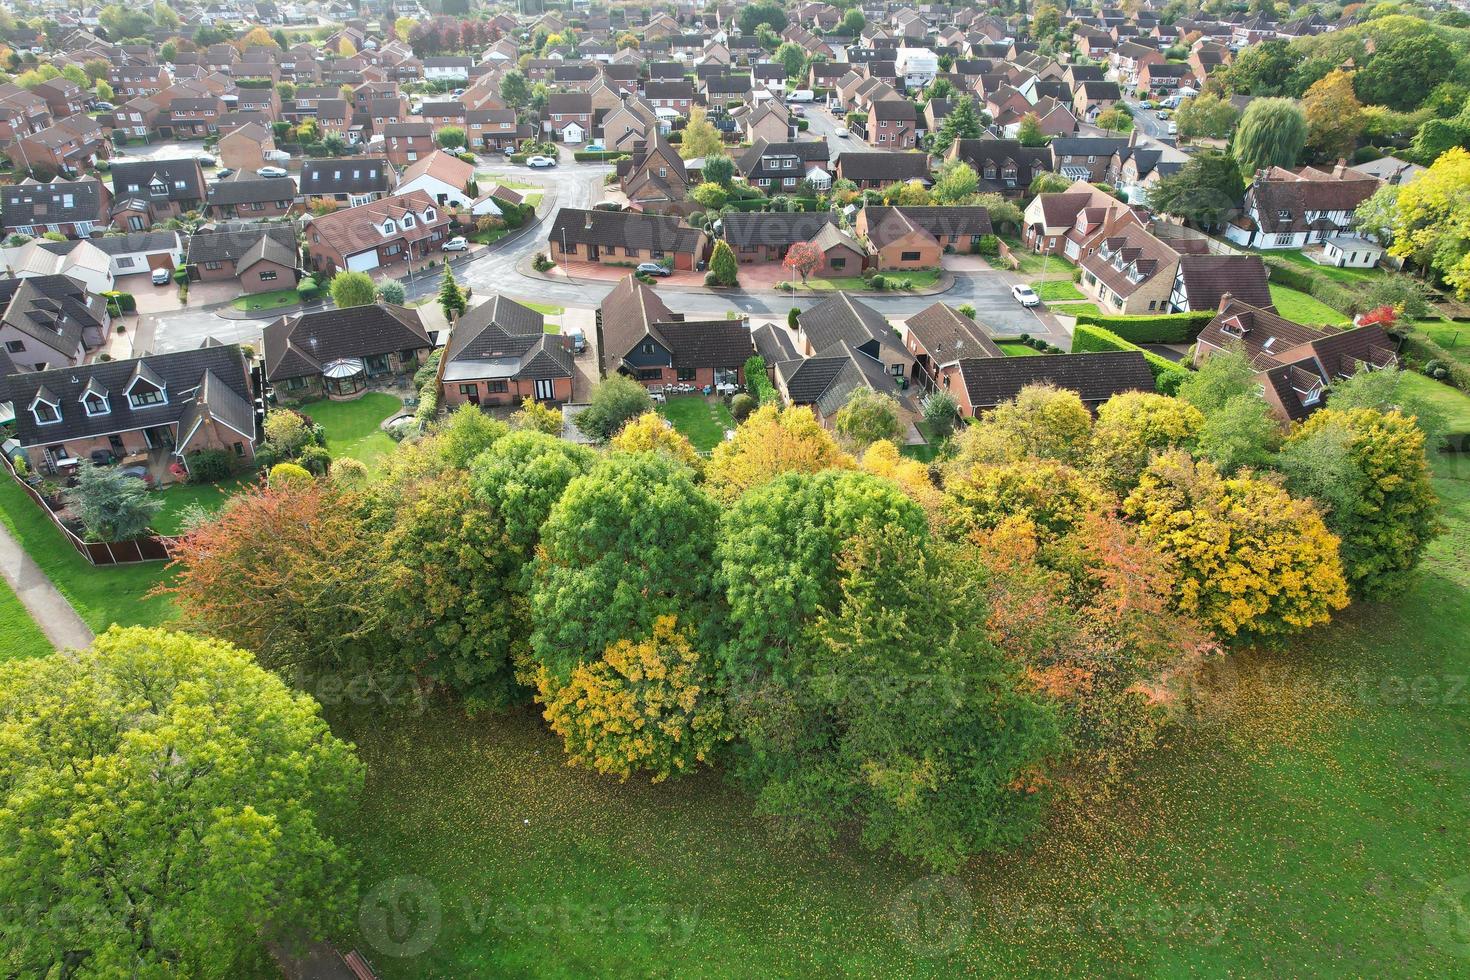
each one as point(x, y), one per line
point(1041, 421)
point(645, 706)
point(883, 459)
point(1250, 558)
point(1052, 496)
point(770, 442)
point(651, 432)
point(1431, 224)
point(1132, 427)
point(258, 38)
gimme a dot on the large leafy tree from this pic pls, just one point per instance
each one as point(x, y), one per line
point(770, 442)
point(962, 123)
point(1206, 115)
point(1051, 497)
point(1334, 116)
point(1431, 219)
point(700, 138)
point(1250, 558)
point(1132, 427)
point(957, 183)
point(167, 807)
point(614, 402)
point(1204, 191)
point(627, 543)
point(868, 416)
point(1368, 472)
point(1261, 69)
point(1041, 421)
point(1271, 133)
point(1401, 74)
point(353, 289)
point(767, 12)
point(112, 505)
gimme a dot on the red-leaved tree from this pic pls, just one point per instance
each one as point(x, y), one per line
point(803, 258)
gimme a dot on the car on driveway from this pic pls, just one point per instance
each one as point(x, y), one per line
point(540, 161)
point(457, 244)
point(651, 269)
point(270, 172)
point(226, 172)
point(1025, 295)
point(161, 277)
point(840, 131)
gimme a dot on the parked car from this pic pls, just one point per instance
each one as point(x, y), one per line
point(796, 110)
point(271, 172)
point(205, 160)
point(104, 106)
point(224, 172)
point(540, 161)
point(1025, 295)
point(161, 277)
point(595, 148)
point(840, 131)
point(1162, 113)
point(457, 244)
point(577, 339)
point(651, 269)
point(1173, 129)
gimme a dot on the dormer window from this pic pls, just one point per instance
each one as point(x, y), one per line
point(408, 221)
point(45, 412)
point(95, 403)
point(1283, 215)
point(389, 226)
point(429, 215)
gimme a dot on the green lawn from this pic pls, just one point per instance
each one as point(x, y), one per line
point(488, 237)
point(1072, 309)
point(1301, 308)
point(1453, 337)
point(352, 427)
point(178, 497)
point(1305, 838)
point(273, 300)
point(1033, 264)
point(1057, 290)
point(101, 596)
point(20, 637)
point(1453, 402)
point(1349, 276)
point(703, 422)
point(918, 279)
point(1014, 348)
point(545, 309)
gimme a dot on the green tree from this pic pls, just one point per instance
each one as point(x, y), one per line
point(450, 137)
point(626, 544)
point(515, 90)
point(1260, 69)
point(390, 291)
point(465, 434)
point(1029, 132)
point(1206, 114)
point(767, 12)
point(1046, 21)
point(793, 58)
point(1334, 116)
point(1205, 191)
point(868, 416)
point(957, 183)
point(709, 195)
point(719, 169)
point(353, 289)
point(962, 123)
point(1271, 134)
point(1367, 472)
point(1402, 73)
point(615, 401)
point(1115, 119)
point(112, 505)
point(852, 23)
point(700, 139)
point(165, 810)
point(452, 299)
point(723, 267)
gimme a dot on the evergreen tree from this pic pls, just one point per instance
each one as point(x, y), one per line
point(451, 298)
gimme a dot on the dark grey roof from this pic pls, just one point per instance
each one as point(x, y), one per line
point(843, 318)
point(948, 335)
point(625, 229)
point(1094, 377)
point(33, 203)
point(348, 175)
point(182, 374)
point(878, 165)
point(501, 338)
point(132, 179)
point(829, 379)
point(242, 189)
point(299, 345)
point(133, 241)
point(53, 310)
point(775, 228)
point(229, 241)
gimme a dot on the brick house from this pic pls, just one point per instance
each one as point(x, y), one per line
point(339, 353)
point(939, 337)
point(499, 353)
point(347, 180)
point(402, 228)
point(248, 197)
point(74, 208)
point(494, 129)
point(917, 238)
point(50, 321)
point(73, 145)
point(893, 124)
point(872, 170)
point(261, 257)
point(63, 96)
point(568, 117)
point(640, 337)
point(625, 238)
point(405, 142)
point(654, 175)
point(1131, 272)
point(766, 236)
point(154, 411)
point(989, 381)
point(246, 149)
point(147, 192)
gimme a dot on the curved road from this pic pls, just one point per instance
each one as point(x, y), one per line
point(577, 186)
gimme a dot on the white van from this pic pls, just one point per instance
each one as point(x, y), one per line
point(801, 95)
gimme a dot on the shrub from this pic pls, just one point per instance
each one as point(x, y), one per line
point(210, 466)
point(793, 315)
point(757, 382)
point(741, 406)
point(288, 476)
point(541, 263)
point(1167, 375)
point(879, 283)
point(1167, 328)
point(391, 292)
point(315, 460)
point(988, 245)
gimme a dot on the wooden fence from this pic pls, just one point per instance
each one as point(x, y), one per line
point(150, 547)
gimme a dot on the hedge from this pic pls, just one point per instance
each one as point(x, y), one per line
point(1341, 298)
point(762, 203)
point(1167, 374)
point(598, 156)
point(1166, 328)
point(758, 382)
point(125, 302)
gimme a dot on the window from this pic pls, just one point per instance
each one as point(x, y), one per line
point(468, 389)
point(909, 257)
point(838, 264)
point(686, 374)
point(295, 384)
point(95, 404)
point(125, 261)
point(45, 413)
point(648, 348)
point(651, 374)
point(143, 396)
point(268, 275)
point(14, 346)
point(896, 370)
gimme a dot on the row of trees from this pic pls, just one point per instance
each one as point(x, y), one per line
point(926, 655)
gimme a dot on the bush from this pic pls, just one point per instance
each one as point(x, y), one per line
point(741, 406)
point(286, 476)
point(315, 460)
point(758, 383)
point(541, 263)
point(989, 246)
point(1167, 328)
point(879, 283)
point(210, 466)
point(598, 156)
point(1167, 375)
point(123, 302)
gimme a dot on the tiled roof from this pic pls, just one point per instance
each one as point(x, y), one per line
point(773, 228)
point(229, 241)
point(1094, 377)
point(844, 319)
point(948, 335)
point(1208, 277)
point(298, 345)
point(624, 229)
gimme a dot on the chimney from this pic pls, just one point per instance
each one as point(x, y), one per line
point(1224, 301)
point(587, 225)
point(1340, 168)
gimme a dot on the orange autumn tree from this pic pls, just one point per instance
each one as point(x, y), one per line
point(287, 572)
point(803, 259)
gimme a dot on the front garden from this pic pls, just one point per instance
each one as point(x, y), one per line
point(276, 299)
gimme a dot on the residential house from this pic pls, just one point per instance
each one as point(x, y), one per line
point(1203, 279)
point(149, 192)
point(907, 238)
point(655, 176)
point(247, 148)
point(840, 346)
point(379, 234)
point(494, 129)
point(406, 142)
point(445, 178)
point(347, 180)
point(1085, 158)
point(1068, 221)
point(1295, 363)
point(939, 337)
point(63, 96)
point(50, 322)
point(78, 259)
point(630, 122)
point(568, 117)
point(1131, 271)
point(872, 170)
point(640, 337)
point(1286, 209)
point(154, 410)
point(71, 146)
point(1093, 98)
point(132, 253)
point(1003, 165)
point(74, 208)
point(499, 353)
point(340, 353)
point(781, 167)
point(261, 257)
point(245, 196)
point(988, 381)
point(625, 238)
point(892, 124)
point(766, 236)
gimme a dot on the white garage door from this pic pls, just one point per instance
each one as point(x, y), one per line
point(362, 261)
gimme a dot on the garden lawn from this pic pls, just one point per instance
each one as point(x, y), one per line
point(1033, 264)
point(273, 300)
point(352, 427)
point(1453, 402)
point(1304, 829)
point(1056, 290)
point(702, 422)
point(1072, 309)
point(20, 637)
point(1453, 337)
point(180, 496)
point(101, 596)
point(918, 279)
point(1302, 308)
point(1014, 348)
point(1348, 276)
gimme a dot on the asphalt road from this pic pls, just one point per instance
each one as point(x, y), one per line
point(1147, 121)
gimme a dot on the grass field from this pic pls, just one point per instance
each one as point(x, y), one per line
point(702, 422)
point(1014, 348)
point(177, 498)
point(1349, 276)
point(352, 427)
point(1320, 828)
point(1072, 309)
point(273, 300)
point(1057, 290)
point(101, 596)
point(20, 637)
point(918, 279)
point(1455, 404)
point(1033, 264)
point(1301, 308)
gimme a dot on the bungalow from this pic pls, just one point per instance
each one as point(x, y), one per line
point(625, 238)
point(74, 208)
point(155, 410)
point(50, 321)
point(939, 337)
point(499, 353)
point(843, 320)
point(766, 236)
point(349, 180)
point(987, 381)
point(872, 170)
point(916, 238)
point(261, 257)
point(640, 337)
point(338, 353)
point(401, 228)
